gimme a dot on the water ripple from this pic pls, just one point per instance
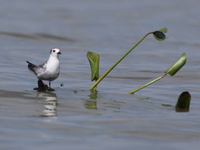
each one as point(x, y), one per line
point(38, 36)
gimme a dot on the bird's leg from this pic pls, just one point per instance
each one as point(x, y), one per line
point(50, 89)
point(49, 84)
point(43, 83)
point(41, 86)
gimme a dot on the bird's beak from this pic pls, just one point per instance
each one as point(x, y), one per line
point(59, 53)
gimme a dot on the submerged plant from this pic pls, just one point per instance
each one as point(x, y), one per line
point(172, 70)
point(159, 35)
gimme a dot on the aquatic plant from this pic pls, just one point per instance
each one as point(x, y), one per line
point(93, 58)
point(172, 70)
point(94, 65)
point(183, 103)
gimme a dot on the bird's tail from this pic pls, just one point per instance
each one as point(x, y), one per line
point(31, 67)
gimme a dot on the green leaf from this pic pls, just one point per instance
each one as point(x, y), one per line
point(177, 65)
point(183, 103)
point(93, 59)
point(172, 70)
point(159, 35)
point(163, 30)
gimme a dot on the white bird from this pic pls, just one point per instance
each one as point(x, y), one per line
point(50, 69)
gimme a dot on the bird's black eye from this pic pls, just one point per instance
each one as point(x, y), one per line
point(53, 50)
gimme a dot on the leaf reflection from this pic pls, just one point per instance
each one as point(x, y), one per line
point(92, 103)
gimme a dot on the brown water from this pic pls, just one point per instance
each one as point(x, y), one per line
point(72, 117)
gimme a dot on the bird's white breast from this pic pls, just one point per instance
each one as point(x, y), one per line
point(52, 69)
point(53, 66)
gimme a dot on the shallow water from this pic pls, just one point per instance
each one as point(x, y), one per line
point(72, 117)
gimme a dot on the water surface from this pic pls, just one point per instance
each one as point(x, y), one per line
point(72, 117)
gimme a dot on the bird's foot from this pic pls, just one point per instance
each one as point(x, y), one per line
point(43, 87)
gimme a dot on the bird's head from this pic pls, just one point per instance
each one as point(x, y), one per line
point(55, 52)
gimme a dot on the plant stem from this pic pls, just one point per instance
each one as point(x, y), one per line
point(117, 62)
point(132, 92)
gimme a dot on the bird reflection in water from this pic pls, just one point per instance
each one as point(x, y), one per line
point(50, 104)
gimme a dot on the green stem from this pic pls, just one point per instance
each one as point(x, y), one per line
point(132, 92)
point(117, 62)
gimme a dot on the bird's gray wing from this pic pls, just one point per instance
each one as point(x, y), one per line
point(43, 65)
point(36, 69)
